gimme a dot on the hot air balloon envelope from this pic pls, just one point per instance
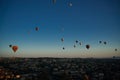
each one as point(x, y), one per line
point(36, 28)
point(74, 46)
point(10, 45)
point(62, 39)
point(115, 49)
point(100, 41)
point(87, 46)
point(105, 42)
point(76, 41)
point(80, 43)
point(14, 48)
point(63, 48)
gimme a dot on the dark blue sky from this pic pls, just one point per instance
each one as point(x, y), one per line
point(86, 20)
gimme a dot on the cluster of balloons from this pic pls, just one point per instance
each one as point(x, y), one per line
point(15, 48)
point(62, 40)
point(87, 45)
point(104, 42)
point(80, 43)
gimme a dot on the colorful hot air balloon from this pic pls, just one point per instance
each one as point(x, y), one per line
point(14, 48)
point(87, 46)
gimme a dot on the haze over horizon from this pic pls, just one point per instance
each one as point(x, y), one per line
point(88, 21)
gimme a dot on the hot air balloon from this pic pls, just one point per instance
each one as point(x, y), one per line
point(115, 49)
point(10, 45)
point(76, 41)
point(62, 39)
point(100, 42)
point(36, 28)
point(63, 48)
point(74, 46)
point(80, 43)
point(14, 48)
point(105, 42)
point(87, 46)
